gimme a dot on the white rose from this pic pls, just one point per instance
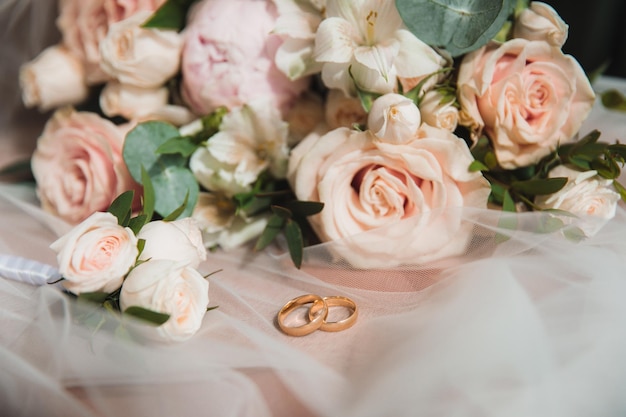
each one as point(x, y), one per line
point(439, 113)
point(540, 22)
point(343, 110)
point(53, 79)
point(586, 195)
point(131, 102)
point(394, 118)
point(172, 288)
point(143, 57)
point(179, 240)
point(96, 254)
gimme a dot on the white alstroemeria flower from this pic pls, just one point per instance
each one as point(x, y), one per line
point(251, 139)
point(367, 38)
point(296, 24)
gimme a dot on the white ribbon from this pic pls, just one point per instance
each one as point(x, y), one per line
point(27, 270)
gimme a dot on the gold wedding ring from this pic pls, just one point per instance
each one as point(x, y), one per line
point(336, 301)
point(317, 314)
point(315, 320)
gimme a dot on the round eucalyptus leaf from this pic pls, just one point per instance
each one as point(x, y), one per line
point(141, 144)
point(171, 185)
point(458, 26)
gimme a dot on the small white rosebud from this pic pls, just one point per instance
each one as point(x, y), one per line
point(394, 118)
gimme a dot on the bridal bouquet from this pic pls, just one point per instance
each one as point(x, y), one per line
point(369, 122)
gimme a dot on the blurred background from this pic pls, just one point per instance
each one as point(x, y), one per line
point(597, 38)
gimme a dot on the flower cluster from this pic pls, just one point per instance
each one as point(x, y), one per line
point(345, 116)
point(148, 271)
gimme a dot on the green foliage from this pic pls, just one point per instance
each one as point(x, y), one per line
point(150, 316)
point(458, 26)
point(154, 150)
point(171, 15)
point(613, 100)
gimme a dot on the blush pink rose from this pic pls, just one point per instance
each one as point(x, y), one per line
point(96, 254)
point(84, 24)
point(389, 203)
point(527, 96)
point(228, 57)
point(78, 165)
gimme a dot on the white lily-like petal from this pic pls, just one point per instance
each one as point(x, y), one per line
point(370, 79)
point(335, 41)
point(379, 57)
point(415, 58)
point(295, 58)
point(337, 76)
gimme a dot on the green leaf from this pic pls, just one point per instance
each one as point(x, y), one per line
point(613, 100)
point(617, 149)
point(171, 15)
point(550, 224)
point(121, 207)
point(508, 204)
point(178, 145)
point(19, 168)
point(273, 227)
point(620, 189)
point(141, 144)
point(283, 212)
point(304, 208)
point(293, 233)
point(539, 186)
point(136, 223)
point(477, 166)
point(177, 211)
point(574, 234)
point(148, 195)
point(459, 26)
point(173, 185)
point(147, 315)
point(97, 297)
point(367, 98)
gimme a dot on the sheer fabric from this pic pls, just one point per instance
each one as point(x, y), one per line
point(526, 323)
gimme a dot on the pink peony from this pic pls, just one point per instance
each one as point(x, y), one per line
point(228, 57)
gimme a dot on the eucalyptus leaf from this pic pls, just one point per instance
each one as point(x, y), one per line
point(141, 144)
point(177, 211)
point(172, 186)
point(458, 26)
point(177, 145)
point(574, 234)
point(121, 207)
point(295, 243)
point(144, 314)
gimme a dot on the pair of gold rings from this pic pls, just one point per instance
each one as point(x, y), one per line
point(317, 314)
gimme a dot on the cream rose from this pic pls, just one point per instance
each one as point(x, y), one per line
point(343, 110)
point(179, 240)
point(131, 102)
point(84, 24)
point(78, 165)
point(527, 95)
point(96, 254)
point(143, 57)
point(389, 204)
point(540, 22)
point(439, 112)
point(394, 118)
point(53, 79)
point(172, 288)
point(586, 195)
